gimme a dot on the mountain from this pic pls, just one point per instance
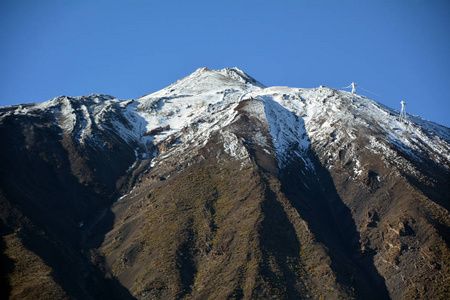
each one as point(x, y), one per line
point(218, 187)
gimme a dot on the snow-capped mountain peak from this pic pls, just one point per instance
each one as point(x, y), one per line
point(323, 116)
point(194, 99)
point(314, 193)
point(204, 80)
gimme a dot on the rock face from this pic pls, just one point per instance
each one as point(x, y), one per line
point(218, 187)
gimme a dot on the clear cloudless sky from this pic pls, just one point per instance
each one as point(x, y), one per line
point(397, 50)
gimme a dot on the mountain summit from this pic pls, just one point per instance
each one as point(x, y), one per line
point(218, 187)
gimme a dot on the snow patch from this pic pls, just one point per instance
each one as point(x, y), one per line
point(233, 146)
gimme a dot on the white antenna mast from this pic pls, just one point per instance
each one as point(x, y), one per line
point(353, 86)
point(403, 112)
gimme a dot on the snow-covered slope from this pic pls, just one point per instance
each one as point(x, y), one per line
point(334, 119)
point(329, 118)
point(194, 99)
point(189, 110)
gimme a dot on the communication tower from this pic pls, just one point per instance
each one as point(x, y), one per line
point(353, 87)
point(403, 112)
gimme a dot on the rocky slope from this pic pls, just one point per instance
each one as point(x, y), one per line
point(219, 187)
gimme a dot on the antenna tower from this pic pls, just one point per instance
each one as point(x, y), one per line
point(353, 86)
point(403, 112)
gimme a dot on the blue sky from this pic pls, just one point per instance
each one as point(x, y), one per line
point(397, 50)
